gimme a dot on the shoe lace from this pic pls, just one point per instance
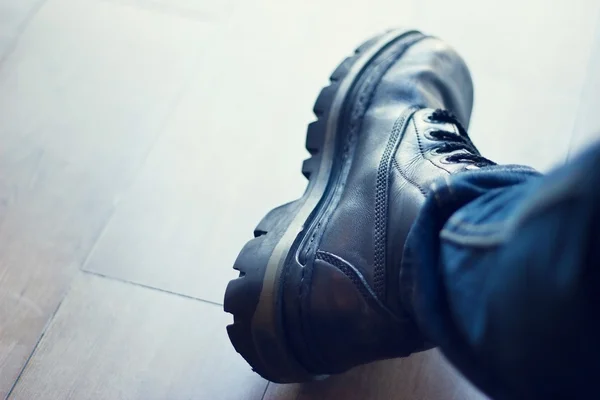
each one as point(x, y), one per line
point(453, 142)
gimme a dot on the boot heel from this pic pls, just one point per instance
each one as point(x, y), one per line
point(243, 294)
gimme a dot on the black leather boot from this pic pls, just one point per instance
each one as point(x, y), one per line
point(318, 291)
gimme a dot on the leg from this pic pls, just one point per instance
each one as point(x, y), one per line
point(509, 288)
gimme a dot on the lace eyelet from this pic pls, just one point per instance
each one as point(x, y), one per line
point(445, 160)
point(428, 135)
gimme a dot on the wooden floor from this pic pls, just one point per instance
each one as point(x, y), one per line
point(141, 141)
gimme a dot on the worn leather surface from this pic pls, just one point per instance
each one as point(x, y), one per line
point(347, 323)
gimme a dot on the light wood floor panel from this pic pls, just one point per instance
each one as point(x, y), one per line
point(83, 95)
point(113, 340)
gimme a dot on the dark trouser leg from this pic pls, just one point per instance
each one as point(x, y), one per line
point(502, 270)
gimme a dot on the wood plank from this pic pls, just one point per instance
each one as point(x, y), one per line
point(114, 340)
point(426, 376)
point(83, 96)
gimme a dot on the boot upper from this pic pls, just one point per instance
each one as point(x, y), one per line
point(402, 146)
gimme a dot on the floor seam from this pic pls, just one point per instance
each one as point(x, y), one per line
point(265, 391)
point(37, 344)
point(185, 296)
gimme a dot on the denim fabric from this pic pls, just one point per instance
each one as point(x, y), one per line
point(501, 268)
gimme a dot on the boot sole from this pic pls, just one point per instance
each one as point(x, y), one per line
point(254, 298)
